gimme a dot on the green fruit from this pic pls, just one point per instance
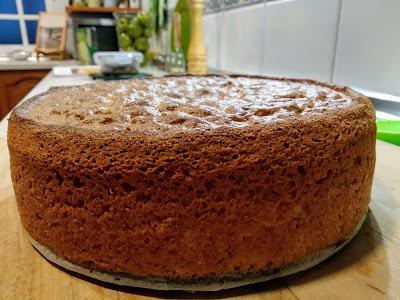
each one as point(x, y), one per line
point(135, 21)
point(125, 41)
point(134, 30)
point(123, 24)
point(144, 19)
point(130, 49)
point(147, 32)
point(142, 44)
point(145, 61)
point(149, 55)
point(124, 20)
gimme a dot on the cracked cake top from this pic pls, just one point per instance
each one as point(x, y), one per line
point(184, 103)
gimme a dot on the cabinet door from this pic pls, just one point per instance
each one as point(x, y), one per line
point(14, 85)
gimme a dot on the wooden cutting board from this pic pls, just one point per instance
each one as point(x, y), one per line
point(368, 268)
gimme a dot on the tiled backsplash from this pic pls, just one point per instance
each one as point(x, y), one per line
point(213, 6)
point(368, 49)
point(351, 42)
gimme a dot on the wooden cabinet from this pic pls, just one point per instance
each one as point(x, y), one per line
point(14, 85)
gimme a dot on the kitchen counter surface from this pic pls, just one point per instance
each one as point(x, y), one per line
point(31, 64)
point(368, 268)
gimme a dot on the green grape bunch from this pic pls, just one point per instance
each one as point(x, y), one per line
point(134, 33)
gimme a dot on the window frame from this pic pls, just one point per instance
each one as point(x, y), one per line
point(21, 17)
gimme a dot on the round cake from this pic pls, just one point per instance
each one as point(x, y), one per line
point(192, 182)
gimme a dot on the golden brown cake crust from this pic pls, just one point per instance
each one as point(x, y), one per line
point(208, 201)
point(175, 104)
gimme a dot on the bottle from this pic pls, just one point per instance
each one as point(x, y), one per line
point(177, 63)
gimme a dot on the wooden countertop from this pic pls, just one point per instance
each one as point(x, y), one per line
point(368, 268)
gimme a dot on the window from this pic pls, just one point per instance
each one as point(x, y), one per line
point(20, 18)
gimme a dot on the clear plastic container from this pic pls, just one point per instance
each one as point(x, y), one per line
point(116, 62)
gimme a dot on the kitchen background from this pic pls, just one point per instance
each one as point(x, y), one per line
point(19, 18)
point(352, 42)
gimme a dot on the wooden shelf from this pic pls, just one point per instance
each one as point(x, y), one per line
point(100, 9)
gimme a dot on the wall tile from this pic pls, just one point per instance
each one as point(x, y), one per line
point(213, 6)
point(368, 51)
point(241, 39)
point(300, 38)
point(211, 28)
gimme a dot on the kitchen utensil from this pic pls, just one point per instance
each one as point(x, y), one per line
point(388, 131)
